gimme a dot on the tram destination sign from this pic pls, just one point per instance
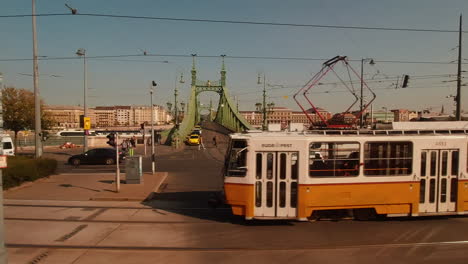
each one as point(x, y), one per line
point(276, 145)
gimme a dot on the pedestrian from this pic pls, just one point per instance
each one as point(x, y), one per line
point(214, 141)
point(124, 146)
point(133, 141)
point(200, 145)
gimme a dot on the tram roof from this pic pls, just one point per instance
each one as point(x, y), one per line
point(397, 128)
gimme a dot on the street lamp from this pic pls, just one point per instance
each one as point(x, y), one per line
point(182, 106)
point(37, 100)
point(371, 62)
point(82, 53)
point(264, 124)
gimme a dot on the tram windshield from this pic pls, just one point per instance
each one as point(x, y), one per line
point(237, 159)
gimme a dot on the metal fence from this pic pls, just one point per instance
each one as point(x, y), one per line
point(24, 141)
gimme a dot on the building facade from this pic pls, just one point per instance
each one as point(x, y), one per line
point(64, 116)
point(105, 116)
point(286, 116)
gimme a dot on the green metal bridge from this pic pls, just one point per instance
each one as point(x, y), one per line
point(227, 113)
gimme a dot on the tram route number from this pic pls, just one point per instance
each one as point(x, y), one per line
point(441, 143)
point(277, 145)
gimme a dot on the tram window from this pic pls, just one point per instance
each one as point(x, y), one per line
point(258, 194)
point(334, 159)
point(293, 194)
point(422, 191)
point(432, 190)
point(455, 162)
point(423, 163)
point(444, 163)
point(433, 163)
point(283, 166)
point(453, 190)
point(282, 202)
point(238, 159)
point(269, 198)
point(269, 166)
point(259, 166)
point(294, 166)
point(388, 158)
point(443, 191)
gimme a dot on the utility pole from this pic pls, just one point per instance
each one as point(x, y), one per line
point(37, 100)
point(361, 108)
point(3, 252)
point(176, 112)
point(153, 166)
point(458, 114)
point(117, 167)
point(82, 52)
point(361, 120)
point(264, 124)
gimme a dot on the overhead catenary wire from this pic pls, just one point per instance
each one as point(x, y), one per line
point(49, 58)
point(245, 22)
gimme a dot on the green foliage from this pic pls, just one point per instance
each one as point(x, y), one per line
point(23, 169)
point(18, 110)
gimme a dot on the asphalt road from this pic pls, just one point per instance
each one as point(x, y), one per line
point(179, 226)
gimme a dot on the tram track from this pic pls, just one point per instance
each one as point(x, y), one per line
point(113, 207)
point(104, 221)
point(240, 249)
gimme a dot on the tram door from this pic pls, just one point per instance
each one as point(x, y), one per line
point(276, 184)
point(438, 184)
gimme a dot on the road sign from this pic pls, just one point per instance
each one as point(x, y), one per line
point(87, 123)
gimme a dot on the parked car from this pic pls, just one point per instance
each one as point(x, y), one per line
point(96, 156)
point(7, 145)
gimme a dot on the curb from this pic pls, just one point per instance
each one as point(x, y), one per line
point(150, 196)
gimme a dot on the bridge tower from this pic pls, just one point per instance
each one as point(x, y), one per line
point(227, 113)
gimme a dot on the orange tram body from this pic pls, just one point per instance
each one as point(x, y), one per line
point(291, 175)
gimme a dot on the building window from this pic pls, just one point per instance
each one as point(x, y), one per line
point(334, 159)
point(388, 158)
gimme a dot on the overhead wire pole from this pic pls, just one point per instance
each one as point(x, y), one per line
point(153, 166)
point(361, 120)
point(82, 52)
point(37, 100)
point(3, 251)
point(458, 114)
point(264, 125)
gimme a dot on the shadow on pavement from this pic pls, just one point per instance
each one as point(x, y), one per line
point(112, 181)
point(76, 186)
point(205, 205)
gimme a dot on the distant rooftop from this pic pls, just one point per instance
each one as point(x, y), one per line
point(63, 107)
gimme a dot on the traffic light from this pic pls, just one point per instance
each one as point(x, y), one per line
point(111, 138)
point(405, 81)
point(142, 125)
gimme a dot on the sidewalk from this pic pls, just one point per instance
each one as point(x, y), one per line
point(85, 187)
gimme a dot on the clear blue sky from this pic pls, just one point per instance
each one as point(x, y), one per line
point(126, 82)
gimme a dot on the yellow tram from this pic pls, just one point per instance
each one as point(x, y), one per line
point(291, 175)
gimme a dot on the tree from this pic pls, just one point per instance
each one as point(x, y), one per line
point(18, 111)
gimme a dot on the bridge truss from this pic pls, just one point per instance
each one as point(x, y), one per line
point(227, 113)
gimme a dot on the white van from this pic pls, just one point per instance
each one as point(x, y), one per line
point(7, 144)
